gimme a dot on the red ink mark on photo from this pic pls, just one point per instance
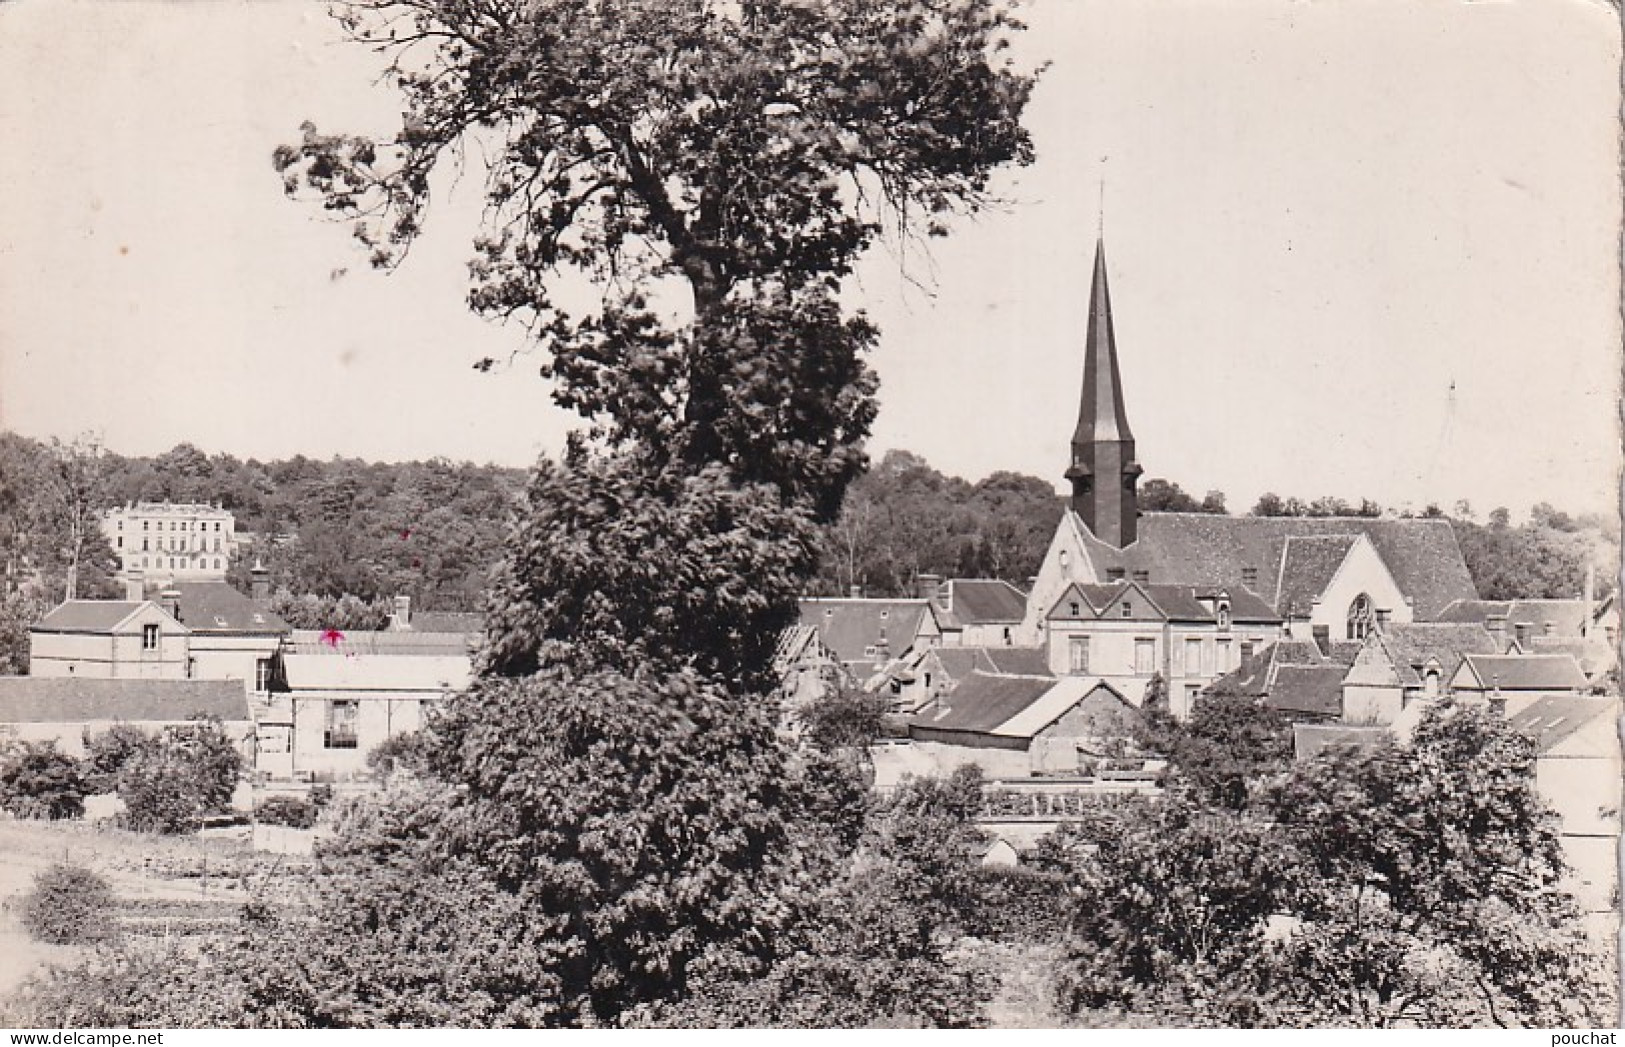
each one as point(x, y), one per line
point(332, 637)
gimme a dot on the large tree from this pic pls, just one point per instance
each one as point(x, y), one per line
point(713, 170)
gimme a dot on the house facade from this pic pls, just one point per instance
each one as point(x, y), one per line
point(172, 541)
point(1127, 632)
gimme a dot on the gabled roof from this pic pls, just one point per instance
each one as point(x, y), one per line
point(89, 616)
point(985, 601)
point(1316, 689)
point(1203, 548)
point(1553, 719)
point(1412, 645)
point(1308, 564)
point(850, 627)
point(983, 702)
point(1568, 617)
point(1153, 602)
point(1594, 655)
point(1525, 672)
point(40, 699)
point(1291, 675)
point(216, 607)
point(960, 662)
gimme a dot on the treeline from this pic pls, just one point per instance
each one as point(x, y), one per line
point(342, 527)
point(903, 519)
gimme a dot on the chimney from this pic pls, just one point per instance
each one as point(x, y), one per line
point(1496, 625)
point(1522, 630)
point(928, 586)
point(135, 585)
point(1323, 638)
point(170, 599)
point(259, 584)
point(402, 618)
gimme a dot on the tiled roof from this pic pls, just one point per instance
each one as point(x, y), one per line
point(1250, 679)
point(985, 601)
point(1316, 689)
point(1203, 548)
point(1182, 603)
point(850, 627)
point(1552, 719)
point(1527, 672)
point(1308, 563)
point(448, 622)
point(87, 616)
point(216, 607)
point(1311, 739)
point(1411, 645)
point(381, 642)
point(982, 702)
point(1568, 617)
point(1021, 661)
point(1595, 656)
point(39, 699)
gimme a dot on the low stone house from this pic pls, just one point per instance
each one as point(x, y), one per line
point(1016, 726)
point(67, 711)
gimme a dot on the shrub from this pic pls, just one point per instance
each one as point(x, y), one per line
point(186, 773)
point(106, 755)
point(398, 752)
point(37, 781)
point(292, 811)
point(69, 904)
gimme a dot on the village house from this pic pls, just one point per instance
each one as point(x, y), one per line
point(342, 694)
point(976, 612)
point(1127, 632)
point(864, 636)
point(1018, 726)
point(193, 630)
point(1300, 679)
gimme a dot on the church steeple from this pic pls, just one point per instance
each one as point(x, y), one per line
point(1103, 473)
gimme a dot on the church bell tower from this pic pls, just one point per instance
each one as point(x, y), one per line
point(1104, 474)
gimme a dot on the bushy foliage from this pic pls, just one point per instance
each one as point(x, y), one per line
point(1230, 745)
point(107, 754)
point(1414, 883)
point(346, 613)
point(880, 944)
point(398, 752)
point(296, 812)
point(179, 776)
point(39, 781)
point(843, 717)
point(69, 905)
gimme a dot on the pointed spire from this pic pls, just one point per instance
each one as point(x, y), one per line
point(1101, 415)
point(1103, 473)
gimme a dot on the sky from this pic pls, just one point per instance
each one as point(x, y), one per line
point(1366, 249)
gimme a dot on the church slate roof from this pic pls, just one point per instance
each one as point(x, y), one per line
point(41, 699)
point(1308, 564)
point(1207, 549)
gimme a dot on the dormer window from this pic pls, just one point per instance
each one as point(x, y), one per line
point(1224, 614)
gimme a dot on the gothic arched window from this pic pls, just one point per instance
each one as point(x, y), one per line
point(1360, 617)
